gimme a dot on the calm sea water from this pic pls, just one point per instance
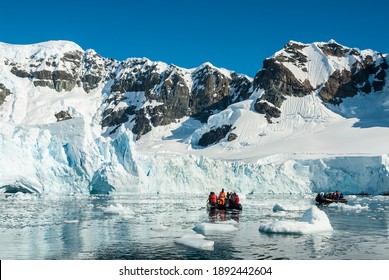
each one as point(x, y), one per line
point(74, 227)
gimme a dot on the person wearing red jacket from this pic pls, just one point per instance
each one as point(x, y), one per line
point(212, 198)
point(235, 200)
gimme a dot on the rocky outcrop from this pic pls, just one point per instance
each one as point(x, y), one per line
point(268, 110)
point(170, 93)
point(214, 136)
point(278, 82)
point(366, 76)
point(334, 49)
point(4, 92)
point(94, 69)
point(63, 116)
point(59, 73)
point(231, 137)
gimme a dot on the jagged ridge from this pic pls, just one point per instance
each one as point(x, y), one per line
point(143, 94)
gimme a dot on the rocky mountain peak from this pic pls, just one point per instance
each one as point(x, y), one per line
point(144, 94)
point(297, 70)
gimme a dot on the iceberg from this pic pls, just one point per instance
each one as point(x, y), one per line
point(313, 220)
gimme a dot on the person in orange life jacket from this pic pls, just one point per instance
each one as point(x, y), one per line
point(212, 198)
point(222, 197)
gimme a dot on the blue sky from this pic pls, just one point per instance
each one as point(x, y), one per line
point(237, 35)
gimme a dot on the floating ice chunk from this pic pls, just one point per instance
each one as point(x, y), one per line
point(118, 210)
point(313, 220)
point(71, 221)
point(212, 228)
point(157, 227)
point(346, 207)
point(195, 240)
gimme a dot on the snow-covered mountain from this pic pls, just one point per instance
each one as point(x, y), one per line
point(314, 118)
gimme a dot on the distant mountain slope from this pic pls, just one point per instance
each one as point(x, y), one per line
point(143, 94)
point(73, 120)
point(139, 92)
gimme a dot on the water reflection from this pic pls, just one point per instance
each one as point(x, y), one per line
point(78, 228)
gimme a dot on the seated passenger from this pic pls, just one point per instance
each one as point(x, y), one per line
point(212, 198)
point(236, 200)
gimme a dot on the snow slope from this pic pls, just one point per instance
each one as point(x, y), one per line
point(310, 148)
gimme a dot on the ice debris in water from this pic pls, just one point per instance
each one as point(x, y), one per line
point(158, 227)
point(118, 210)
point(313, 220)
point(195, 240)
point(212, 228)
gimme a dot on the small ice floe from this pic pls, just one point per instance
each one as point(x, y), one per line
point(157, 227)
point(212, 228)
point(195, 240)
point(346, 207)
point(118, 210)
point(313, 220)
point(71, 221)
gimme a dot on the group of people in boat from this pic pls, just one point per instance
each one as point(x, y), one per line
point(327, 198)
point(229, 199)
point(331, 195)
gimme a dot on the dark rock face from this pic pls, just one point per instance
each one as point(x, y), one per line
point(52, 77)
point(62, 116)
point(278, 81)
point(231, 137)
point(269, 111)
point(20, 73)
point(4, 92)
point(212, 91)
point(214, 135)
point(334, 49)
point(294, 55)
point(365, 76)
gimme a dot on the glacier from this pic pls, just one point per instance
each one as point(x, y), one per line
point(61, 159)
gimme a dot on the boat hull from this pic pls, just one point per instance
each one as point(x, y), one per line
point(326, 201)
